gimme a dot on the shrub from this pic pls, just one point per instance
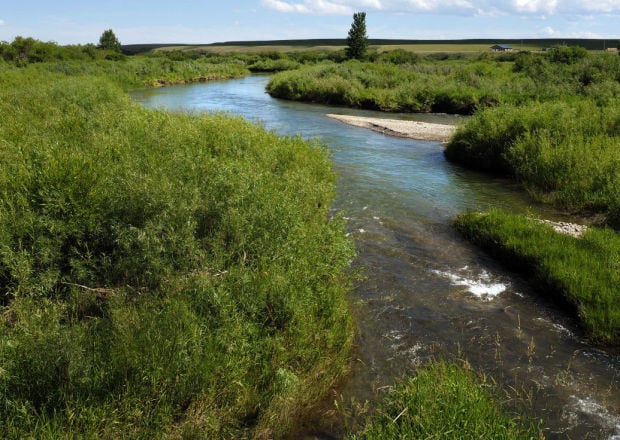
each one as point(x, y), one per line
point(161, 274)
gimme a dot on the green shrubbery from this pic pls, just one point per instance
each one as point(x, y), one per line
point(23, 51)
point(564, 152)
point(160, 274)
point(581, 273)
point(402, 82)
point(384, 86)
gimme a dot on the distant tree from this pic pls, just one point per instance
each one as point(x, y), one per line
point(357, 41)
point(109, 41)
point(567, 55)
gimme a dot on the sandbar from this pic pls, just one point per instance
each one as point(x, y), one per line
point(406, 129)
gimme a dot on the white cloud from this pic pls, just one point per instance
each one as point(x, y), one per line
point(2, 22)
point(535, 6)
point(333, 7)
point(320, 7)
point(549, 32)
point(452, 7)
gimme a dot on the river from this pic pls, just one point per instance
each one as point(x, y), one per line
point(427, 292)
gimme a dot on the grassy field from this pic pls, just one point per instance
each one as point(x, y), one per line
point(469, 45)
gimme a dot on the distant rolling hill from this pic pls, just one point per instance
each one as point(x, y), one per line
point(592, 44)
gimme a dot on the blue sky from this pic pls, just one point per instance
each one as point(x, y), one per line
point(184, 21)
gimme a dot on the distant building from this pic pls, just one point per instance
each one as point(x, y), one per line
point(501, 48)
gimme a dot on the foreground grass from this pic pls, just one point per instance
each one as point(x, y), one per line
point(445, 401)
point(160, 274)
point(581, 273)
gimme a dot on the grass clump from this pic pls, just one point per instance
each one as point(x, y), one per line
point(583, 273)
point(448, 401)
point(160, 274)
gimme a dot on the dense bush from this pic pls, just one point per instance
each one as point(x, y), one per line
point(564, 152)
point(400, 81)
point(399, 56)
point(387, 87)
point(23, 51)
point(160, 274)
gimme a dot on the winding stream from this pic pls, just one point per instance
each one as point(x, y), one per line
point(427, 291)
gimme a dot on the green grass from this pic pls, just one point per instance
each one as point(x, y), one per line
point(582, 274)
point(445, 401)
point(160, 274)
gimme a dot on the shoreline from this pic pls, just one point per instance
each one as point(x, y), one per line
point(424, 131)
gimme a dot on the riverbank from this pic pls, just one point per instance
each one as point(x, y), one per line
point(406, 129)
point(577, 267)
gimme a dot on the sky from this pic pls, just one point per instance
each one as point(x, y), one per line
point(206, 21)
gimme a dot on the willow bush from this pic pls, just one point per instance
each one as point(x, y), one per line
point(453, 88)
point(567, 153)
point(160, 274)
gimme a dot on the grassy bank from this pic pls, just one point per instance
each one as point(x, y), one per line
point(386, 86)
point(160, 274)
point(402, 81)
point(565, 153)
point(447, 401)
point(582, 274)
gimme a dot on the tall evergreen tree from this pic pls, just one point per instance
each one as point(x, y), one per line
point(357, 41)
point(109, 41)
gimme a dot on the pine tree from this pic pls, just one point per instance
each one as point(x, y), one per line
point(357, 41)
point(109, 41)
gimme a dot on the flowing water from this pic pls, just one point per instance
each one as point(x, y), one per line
point(427, 292)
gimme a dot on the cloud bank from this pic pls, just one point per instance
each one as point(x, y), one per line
point(454, 7)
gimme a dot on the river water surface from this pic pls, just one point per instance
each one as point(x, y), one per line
point(427, 292)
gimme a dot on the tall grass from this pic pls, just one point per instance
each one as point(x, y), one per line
point(583, 274)
point(447, 401)
point(160, 274)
